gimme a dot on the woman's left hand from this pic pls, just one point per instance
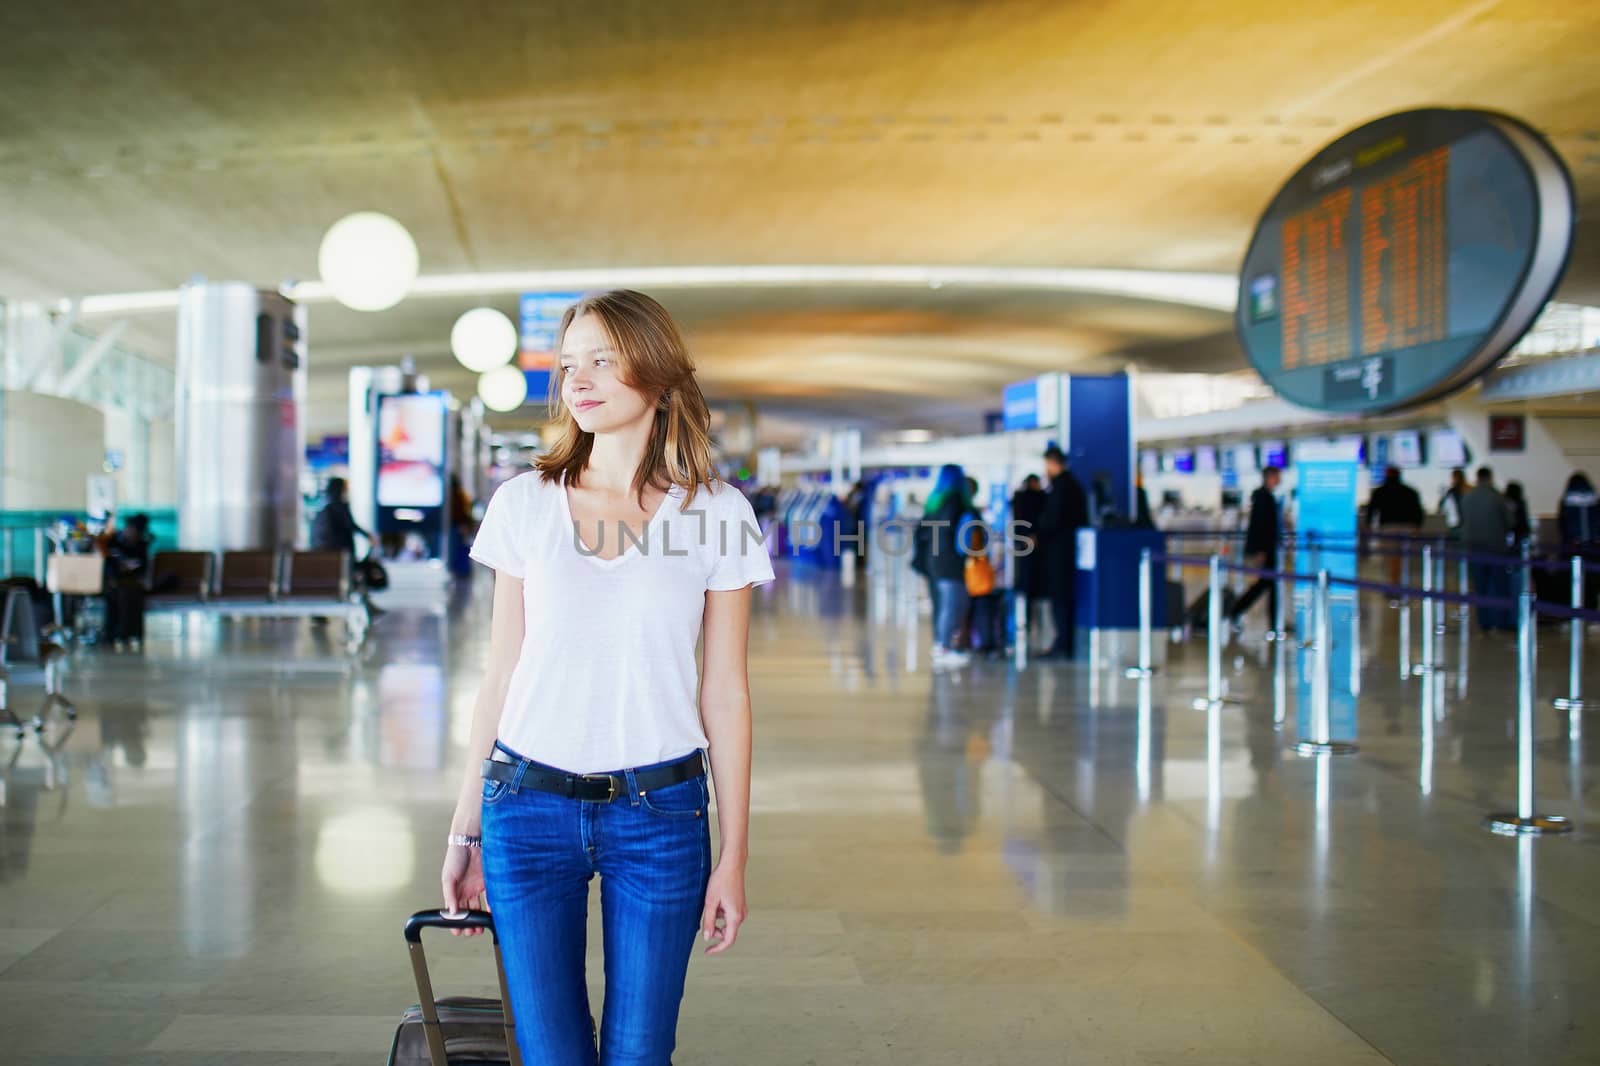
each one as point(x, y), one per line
point(724, 899)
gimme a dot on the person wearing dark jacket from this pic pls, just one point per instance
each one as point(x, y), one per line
point(1450, 503)
point(1142, 518)
point(1066, 511)
point(127, 554)
point(1517, 516)
point(1027, 508)
point(1580, 514)
point(1394, 507)
point(335, 529)
point(1485, 533)
point(1261, 546)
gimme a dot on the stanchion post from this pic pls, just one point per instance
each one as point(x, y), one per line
point(1526, 580)
point(1321, 742)
point(1465, 613)
point(1430, 610)
point(1214, 696)
point(1440, 584)
point(1525, 822)
point(1146, 667)
point(1019, 625)
point(1573, 700)
point(1405, 638)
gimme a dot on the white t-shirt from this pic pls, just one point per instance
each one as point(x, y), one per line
point(607, 679)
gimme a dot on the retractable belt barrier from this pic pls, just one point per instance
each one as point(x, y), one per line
point(1525, 820)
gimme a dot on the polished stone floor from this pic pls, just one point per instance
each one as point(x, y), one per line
point(981, 865)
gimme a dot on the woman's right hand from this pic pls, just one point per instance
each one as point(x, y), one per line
point(462, 882)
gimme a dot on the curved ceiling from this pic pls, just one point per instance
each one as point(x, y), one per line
point(136, 151)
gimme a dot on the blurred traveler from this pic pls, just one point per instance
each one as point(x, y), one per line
point(1261, 538)
point(1142, 519)
point(1028, 571)
point(1450, 503)
point(1395, 507)
point(1521, 526)
point(1580, 514)
point(1486, 532)
point(462, 526)
point(1066, 511)
point(334, 529)
point(948, 510)
point(127, 566)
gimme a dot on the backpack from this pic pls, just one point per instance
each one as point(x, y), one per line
point(979, 575)
point(977, 571)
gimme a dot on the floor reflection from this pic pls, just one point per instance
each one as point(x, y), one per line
point(986, 841)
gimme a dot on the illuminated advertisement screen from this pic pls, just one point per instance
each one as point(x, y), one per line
point(411, 450)
point(1404, 259)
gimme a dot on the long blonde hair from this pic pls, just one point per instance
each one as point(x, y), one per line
point(656, 362)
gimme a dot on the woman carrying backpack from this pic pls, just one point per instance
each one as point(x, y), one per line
point(945, 519)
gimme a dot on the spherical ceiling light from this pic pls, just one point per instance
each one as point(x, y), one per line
point(503, 389)
point(483, 339)
point(368, 260)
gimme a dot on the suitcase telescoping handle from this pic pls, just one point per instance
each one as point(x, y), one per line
point(438, 919)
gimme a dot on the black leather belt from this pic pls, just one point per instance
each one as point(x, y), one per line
point(591, 788)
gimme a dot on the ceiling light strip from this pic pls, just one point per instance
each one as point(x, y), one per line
point(1213, 291)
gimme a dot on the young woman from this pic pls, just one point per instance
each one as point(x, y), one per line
point(590, 733)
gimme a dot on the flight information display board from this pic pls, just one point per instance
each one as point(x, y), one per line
point(1404, 260)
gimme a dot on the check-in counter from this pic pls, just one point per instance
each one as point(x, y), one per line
point(1107, 591)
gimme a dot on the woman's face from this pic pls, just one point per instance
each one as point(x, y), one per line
point(592, 387)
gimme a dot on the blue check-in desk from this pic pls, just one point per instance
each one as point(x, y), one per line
point(1107, 593)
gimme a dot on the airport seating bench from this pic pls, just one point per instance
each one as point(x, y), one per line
point(257, 584)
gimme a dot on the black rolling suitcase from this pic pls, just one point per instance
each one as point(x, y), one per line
point(456, 1030)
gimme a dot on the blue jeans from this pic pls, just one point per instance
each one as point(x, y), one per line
point(1492, 579)
point(653, 855)
point(952, 609)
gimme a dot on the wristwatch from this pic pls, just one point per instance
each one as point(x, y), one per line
point(461, 840)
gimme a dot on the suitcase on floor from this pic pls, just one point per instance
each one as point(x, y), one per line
point(455, 1030)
